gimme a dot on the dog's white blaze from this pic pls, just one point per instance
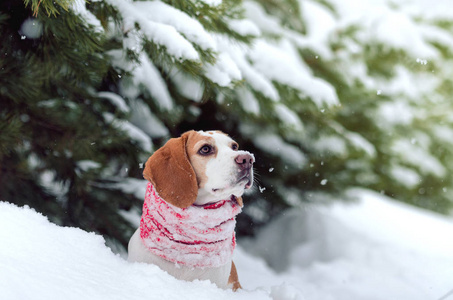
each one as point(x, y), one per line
point(221, 171)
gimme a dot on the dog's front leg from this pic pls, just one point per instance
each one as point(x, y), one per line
point(233, 281)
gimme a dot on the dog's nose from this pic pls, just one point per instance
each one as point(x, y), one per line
point(244, 161)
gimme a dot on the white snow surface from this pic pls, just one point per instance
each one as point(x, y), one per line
point(371, 249)
point(376, 249)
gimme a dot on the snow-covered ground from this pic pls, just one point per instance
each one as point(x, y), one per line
point(374, 248)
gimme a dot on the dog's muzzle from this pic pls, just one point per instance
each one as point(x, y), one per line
point(245, 172)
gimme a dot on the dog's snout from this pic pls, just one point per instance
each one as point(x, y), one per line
point(244, 161)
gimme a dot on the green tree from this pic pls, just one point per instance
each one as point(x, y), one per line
point(58, 149)
point(326, 98)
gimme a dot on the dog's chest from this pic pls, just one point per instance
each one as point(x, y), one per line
point(139, 253)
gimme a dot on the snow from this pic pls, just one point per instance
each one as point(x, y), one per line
point(331, 145)
point(31, 28)
point(266, 23)
point(187, 86)
point(260, 65)
point(87, 165)
point(429, 9)
point(211, 2)
point(144, 74)
point(444, 133)
point(355, 139)
point(359, 142)
point(116, 100)
point(79, 8)
point(244, 27)
point(374, 248)
point(135, 133)
point(40, 260)
point(256, 80)
point(165, 14)
point(288, 117)
point(406, 176)
point(317, 32)
point(275, 145)
point(48, 179)
point(143, 118)
point(415, 155)
point(161, 34)
point(437, 35)
point(224, 71)
point(248, 101)
point(412, 85)
point(404, 26)
point(280, 62)
point(390, 114)
point(399, 31)
point(148, 76)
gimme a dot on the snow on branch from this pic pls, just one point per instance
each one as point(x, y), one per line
point(191, 29)
point(280, 62)
point(160, 34)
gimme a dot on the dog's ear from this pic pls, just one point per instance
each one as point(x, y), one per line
point(171, 173)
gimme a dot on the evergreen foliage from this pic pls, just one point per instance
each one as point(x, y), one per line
point(57, 148)
point(51, 7)
point(324, 100)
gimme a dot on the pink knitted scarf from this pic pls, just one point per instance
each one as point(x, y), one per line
point(197, 236)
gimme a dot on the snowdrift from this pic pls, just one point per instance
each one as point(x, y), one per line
point(374, 248)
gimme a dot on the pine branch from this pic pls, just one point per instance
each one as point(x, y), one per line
point(50, 6)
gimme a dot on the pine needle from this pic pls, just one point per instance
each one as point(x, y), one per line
point(50, 6)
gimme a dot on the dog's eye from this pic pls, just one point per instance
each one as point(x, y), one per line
point(235, 147)
point(205, 150)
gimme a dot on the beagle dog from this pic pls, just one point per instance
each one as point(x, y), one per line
point(194, 193)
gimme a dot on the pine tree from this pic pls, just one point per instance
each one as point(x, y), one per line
point(398, 102)
point(323, 99)
point(58, 148)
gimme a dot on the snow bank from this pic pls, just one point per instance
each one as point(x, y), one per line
point(373, 249)
point(39, 260)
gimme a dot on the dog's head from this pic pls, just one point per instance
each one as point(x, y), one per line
point(199, 168)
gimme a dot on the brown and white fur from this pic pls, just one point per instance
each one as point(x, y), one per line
point(197, 168)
